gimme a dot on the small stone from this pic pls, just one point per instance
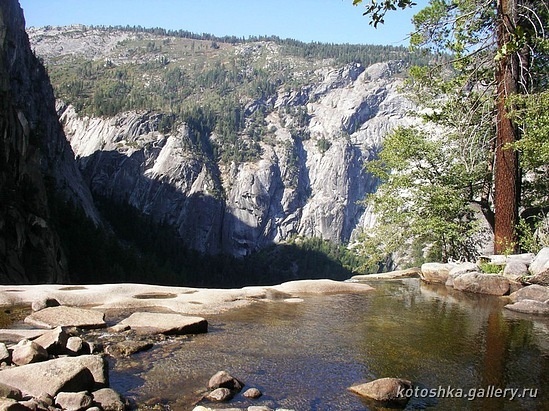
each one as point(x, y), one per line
point(77, 346)
point(54, 341)
point(109, 400)
point(74, 401)
point(219, 395)
point(252, 393)
point(27, 352)
point(383, 389)
point(223, 379)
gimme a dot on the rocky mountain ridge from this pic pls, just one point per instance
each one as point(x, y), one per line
point(298, 186)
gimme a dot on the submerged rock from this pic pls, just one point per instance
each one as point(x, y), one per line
point(530, 307)
point(384, 390)
point(169, 324)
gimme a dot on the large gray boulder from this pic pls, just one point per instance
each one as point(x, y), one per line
point(169, 324)
point(458, 270)
point(541, 262)
point(70, 374)
point(384, 390)
point(435, 272)
point(52, 317)
point(532, 292)
point(482, 283)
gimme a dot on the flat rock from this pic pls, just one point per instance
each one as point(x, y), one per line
point(393, 275)
point(304, 287)
point(531, 292)
point(16, 334)
point(492, 284)
point(52, 317)
point(529, 307)
point(71, 374)
point(169, 324)
point(383, 389)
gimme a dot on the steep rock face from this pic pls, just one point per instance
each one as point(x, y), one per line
point(33, 150)
point(308, 186)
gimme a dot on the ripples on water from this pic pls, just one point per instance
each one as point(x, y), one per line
point(303, 356)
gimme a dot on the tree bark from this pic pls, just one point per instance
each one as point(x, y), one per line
point(506, 173)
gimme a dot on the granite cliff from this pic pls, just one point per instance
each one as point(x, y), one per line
point(36, 160)
point(309, 187)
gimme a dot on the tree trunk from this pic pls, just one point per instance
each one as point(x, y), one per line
point(506, 174)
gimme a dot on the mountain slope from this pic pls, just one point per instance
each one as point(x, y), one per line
point(248, 144)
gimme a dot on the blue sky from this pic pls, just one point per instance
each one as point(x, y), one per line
point(332, 21)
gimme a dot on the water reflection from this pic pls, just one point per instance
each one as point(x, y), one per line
point(304, 356)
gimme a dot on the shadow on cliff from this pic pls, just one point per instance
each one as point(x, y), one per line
point(135, 246)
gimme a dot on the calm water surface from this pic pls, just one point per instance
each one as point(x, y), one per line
point(303, 356)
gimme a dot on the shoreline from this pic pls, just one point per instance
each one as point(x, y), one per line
point(183, 300)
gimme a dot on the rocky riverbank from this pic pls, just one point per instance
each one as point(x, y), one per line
point(523, 279)
point(56, 361)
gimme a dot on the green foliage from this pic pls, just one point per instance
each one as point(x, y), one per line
point(424, 200)
point(428, 182)
point(377, 10)
point(490, 268)
point(323, 145)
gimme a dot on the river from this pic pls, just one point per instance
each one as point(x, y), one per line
point(304, 355)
